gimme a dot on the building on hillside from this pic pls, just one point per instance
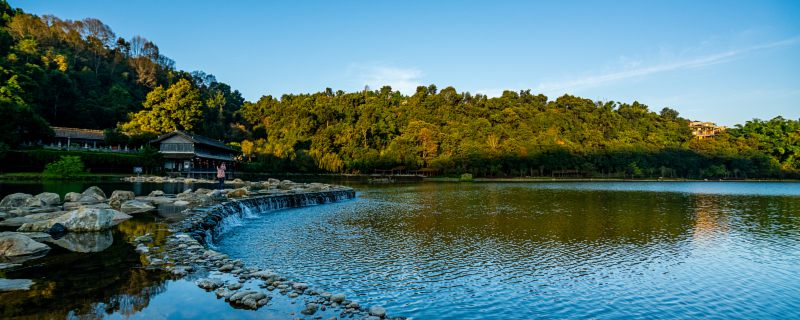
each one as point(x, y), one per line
point(81, 139)
point(194, 155)
point(702, 130)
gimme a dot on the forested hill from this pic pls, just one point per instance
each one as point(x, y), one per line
point(81, 74)
point(517, 134)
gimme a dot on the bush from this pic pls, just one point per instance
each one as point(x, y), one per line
point(67, 167)
point(466, 177)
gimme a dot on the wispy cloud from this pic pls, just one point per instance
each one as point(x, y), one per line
point(406, 80)
point(640, 71)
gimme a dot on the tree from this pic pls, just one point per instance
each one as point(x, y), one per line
point(176, 108)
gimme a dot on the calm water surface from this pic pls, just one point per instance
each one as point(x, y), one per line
point(545, 250)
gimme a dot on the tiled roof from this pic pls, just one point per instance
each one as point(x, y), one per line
point(78, 133)
point(196, 139)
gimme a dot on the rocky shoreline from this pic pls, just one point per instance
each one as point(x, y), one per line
point(187, 252)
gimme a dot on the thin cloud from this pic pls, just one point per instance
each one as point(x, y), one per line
point(592, 81)
point(406, 80)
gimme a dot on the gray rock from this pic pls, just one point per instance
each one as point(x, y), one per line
point(156, 193)
point(49, 198)
point(93, 195)
point(181, 203)
point(337, 298)
point(226, 268)
point(377, 311)
point(120, 196)
point(310, 309)
point(235, 286)
point(14, 244)
point(209, 283)
point(72, 197)
point(15, 200)
point(18, 221)
point(299, 286)
point(80, 220)
point(136, 206)
point(15, 284)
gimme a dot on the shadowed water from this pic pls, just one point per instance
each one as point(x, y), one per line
point(549, 250)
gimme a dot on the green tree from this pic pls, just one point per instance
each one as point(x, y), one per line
point(176, 108)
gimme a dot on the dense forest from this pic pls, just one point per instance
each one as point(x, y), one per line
point(516, 134)
point(80, 74)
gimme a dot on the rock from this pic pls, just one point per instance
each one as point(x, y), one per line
point(203, 191)
point(310, 309)
point(299, 286)
point(119, 217)
point(49, 198)
point(85, 242)
point(209, 283)
point(136, 206)
point(181, 203)
point(57, 229)
point(13, 244)
point(235, 286)
point(377, 311)
point(147, 238)
point(15, 284)
point(120, 196)
point(15, 200)
point(80, 220)
point(72, 197)
point(156, 193)
point(69, 206)
point(226, 268)
point(250, 299)
point(93, 195)
point(18, 221)
point(223, 293)
point(237, 193)
point(337, 298)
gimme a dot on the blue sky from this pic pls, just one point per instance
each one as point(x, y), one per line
point(722, 61)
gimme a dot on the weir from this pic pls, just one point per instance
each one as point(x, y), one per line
point(206, 225)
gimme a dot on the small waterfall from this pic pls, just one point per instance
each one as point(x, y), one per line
point(211, 224)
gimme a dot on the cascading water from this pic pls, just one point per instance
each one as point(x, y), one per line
point(226, 216)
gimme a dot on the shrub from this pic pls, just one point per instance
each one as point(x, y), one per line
point(67, 167)
point(465, 177)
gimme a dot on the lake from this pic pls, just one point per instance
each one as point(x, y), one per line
point(545, 250)
point(602, 250)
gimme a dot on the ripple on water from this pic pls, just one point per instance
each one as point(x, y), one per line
point(486, 251)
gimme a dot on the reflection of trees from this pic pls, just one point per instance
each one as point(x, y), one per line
point(81, 284)
point(521, 214)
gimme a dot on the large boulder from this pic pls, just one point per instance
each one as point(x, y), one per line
point(18, 221)
point(72, 197)
point(80, 220)
point(49, 198)
point(136, 206)
point(120, 196)
point(15, 200)
point(13, 244)
point(93, 195)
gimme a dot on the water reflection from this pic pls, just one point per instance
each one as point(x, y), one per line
point(85, 241)
point(517, 251)
point(94, 275)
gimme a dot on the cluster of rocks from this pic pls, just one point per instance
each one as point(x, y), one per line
point(184, 254)
point(159, 179)
point(249, 287)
